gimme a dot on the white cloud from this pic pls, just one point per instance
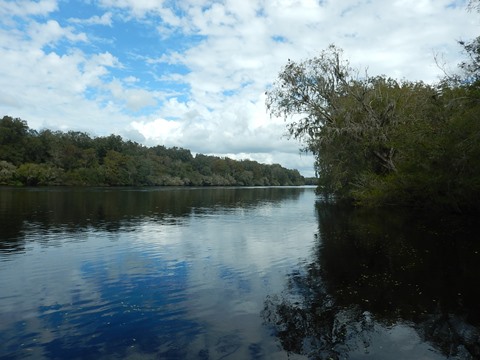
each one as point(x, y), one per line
point(50, 32)
point(238, 130)
point(26, 8)
point(137, 8)
point(105, 19)
point(159, 130)
point(240, 53)
point(134, 99)
point(57, 75)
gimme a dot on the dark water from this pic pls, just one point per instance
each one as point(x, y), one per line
point(231, 273)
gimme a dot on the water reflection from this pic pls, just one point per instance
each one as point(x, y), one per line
point(97, 308)
point(30, 212)
point(384, 285)
point(170, 274)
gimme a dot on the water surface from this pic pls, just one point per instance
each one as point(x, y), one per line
point(162, 273)
point(384, 284)
point(231, 273)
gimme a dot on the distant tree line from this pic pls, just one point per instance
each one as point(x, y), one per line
point(379, 141)
point(29, 157)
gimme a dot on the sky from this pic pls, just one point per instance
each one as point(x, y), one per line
point(193, 73)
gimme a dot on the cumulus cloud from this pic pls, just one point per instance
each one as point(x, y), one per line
point(193, 73)
point(105, 19)
point(51, 32)
point(26, 8)
point(134, 99)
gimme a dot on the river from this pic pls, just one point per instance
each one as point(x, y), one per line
point(231, 273)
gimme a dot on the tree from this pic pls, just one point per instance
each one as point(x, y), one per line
point(7, 173)
point(380, 141)
point(104, 144)
point(50, 157)
point(13, 133)
point(474, 5)
point(471, 66)
point(119, 169)
point(347, 121)
point(39, 174)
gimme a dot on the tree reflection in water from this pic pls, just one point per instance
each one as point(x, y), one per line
point(383, 284)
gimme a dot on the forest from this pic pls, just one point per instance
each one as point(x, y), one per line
point(40, 158)
point(380, 141)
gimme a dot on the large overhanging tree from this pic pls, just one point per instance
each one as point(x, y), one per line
point(471, 66)
point(350, 121)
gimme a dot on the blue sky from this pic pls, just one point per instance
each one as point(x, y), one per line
point(193, 73)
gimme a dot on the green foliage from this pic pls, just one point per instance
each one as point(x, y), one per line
point(39, 174)
point(7, 173)
point(13, 134)
point(35, 158)
point(379, 141)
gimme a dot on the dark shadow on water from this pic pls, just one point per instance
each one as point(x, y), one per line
point(383, 284)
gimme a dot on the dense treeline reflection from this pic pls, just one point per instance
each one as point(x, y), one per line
point(73, 209)
point(377, 274)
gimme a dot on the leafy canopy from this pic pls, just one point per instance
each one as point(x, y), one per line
point(381, 141)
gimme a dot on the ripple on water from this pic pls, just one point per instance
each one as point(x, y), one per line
point(147, 284)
